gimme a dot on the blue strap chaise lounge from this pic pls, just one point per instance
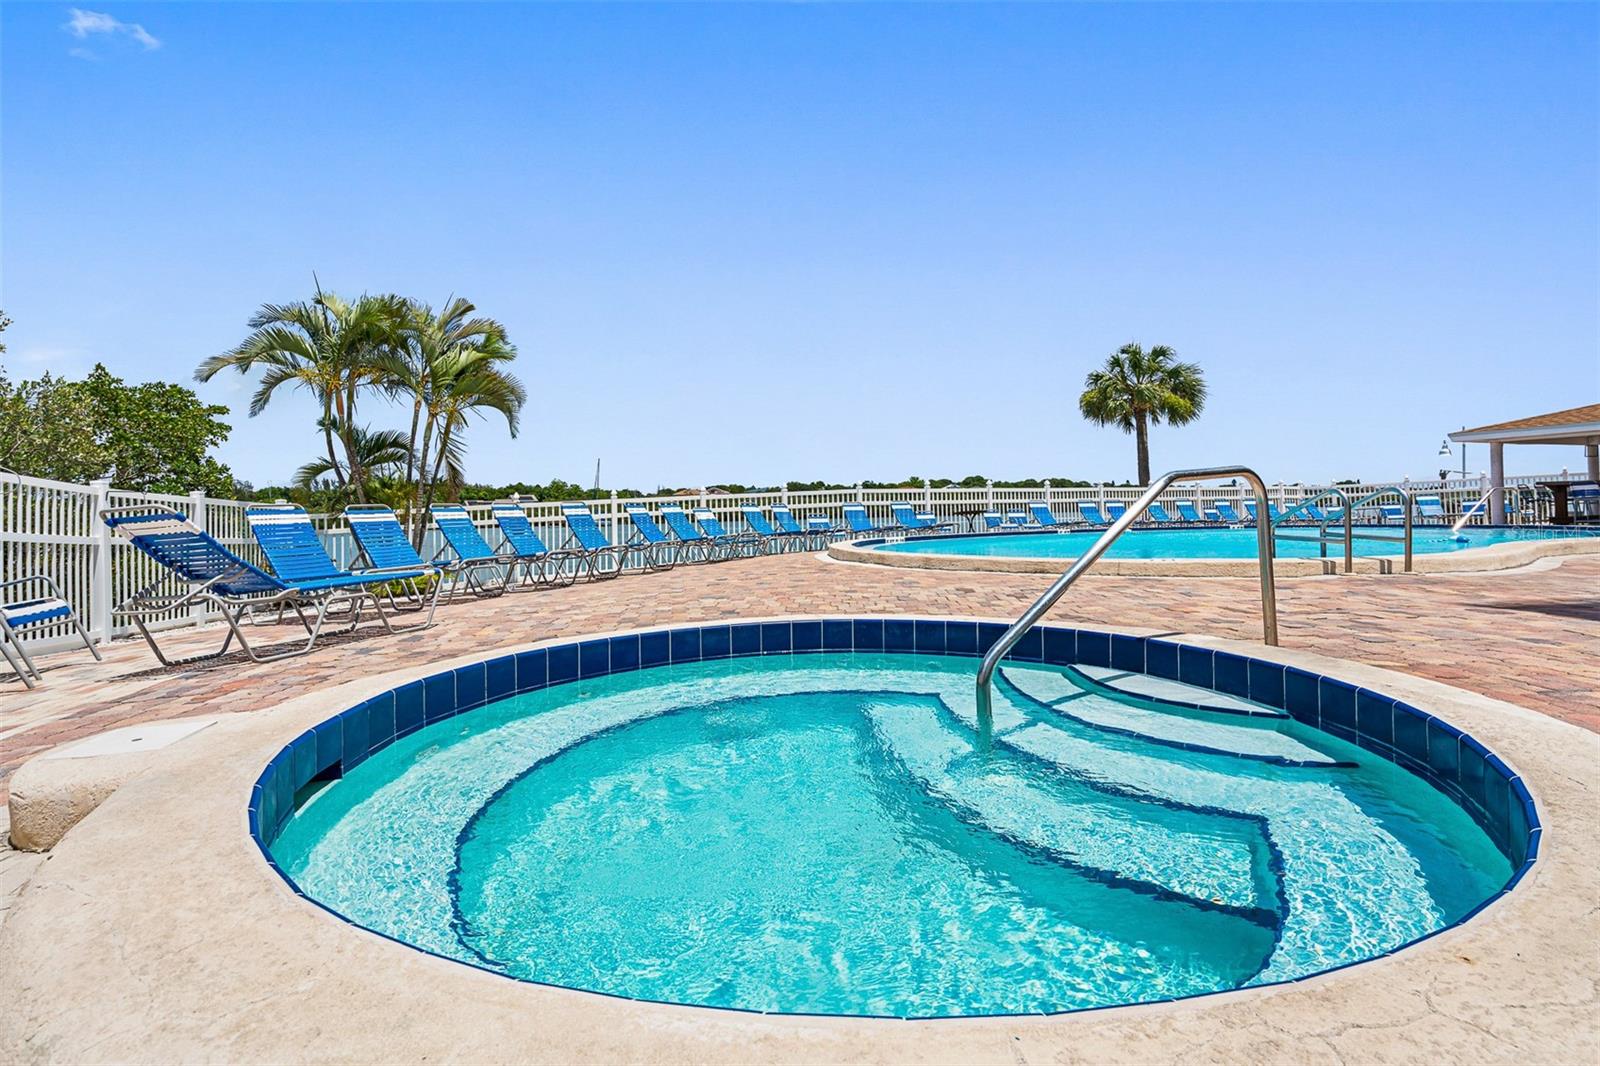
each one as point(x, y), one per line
point(856, 520)
point(907, 517)
point(694, 542)
point(776, 539)
point(747, 543)
point(295, 553)
point(462, 537)
point(815, 537)
point(42, 605)
point(1091, 514)
point(601, 558)
point(1046, 517)
point(199, 571)
point(556, 568)
point(649, 537)
point(383, 543)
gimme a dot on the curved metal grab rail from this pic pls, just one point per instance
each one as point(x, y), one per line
point(1269, 594)
point(1406, 506)
point(1322, 528)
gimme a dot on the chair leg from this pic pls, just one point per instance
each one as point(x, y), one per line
point(5, 649)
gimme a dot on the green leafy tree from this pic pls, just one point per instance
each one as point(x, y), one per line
point(4, 322)
point(1137, 389)
point(49, 429)
point(331, 348)
point(154, 437)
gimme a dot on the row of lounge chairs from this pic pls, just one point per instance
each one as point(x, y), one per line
point(391, 579)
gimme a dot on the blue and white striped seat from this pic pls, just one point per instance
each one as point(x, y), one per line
point(585, 532)
point(52, 608)
point(30, 611)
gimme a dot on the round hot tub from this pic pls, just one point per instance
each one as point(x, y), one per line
point(802, 817)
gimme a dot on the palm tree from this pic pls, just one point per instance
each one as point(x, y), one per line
point(381, 454)
point(1137, 389)
point(449, 365)
point(328, 346)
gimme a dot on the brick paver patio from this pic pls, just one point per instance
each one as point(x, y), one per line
point(1530, 637)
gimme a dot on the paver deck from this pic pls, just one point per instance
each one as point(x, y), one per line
point(1527, 636)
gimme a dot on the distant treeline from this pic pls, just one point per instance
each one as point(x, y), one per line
point(558, 489)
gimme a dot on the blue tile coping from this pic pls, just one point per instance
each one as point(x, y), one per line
point(1450, 760)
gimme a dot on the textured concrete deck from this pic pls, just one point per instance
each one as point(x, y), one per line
point(1526, 636)
point(155, 932)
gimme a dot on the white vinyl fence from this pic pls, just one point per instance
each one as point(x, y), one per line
point(53, 528)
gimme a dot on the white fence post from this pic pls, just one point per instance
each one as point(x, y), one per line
point(197, 512)
point(100, 568)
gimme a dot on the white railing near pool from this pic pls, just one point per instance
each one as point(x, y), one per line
point(53, 527)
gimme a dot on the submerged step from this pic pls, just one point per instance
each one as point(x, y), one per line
point(1349, 889)
point(1147, 688)
point(1208, 860)
point(1230, 735)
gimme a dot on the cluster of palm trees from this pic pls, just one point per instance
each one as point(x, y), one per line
point(448, 365)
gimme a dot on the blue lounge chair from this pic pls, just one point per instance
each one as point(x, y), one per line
point(597, 549)
point(472, 551)
point(1430, 509)
point(693, 540)
point(648, 536)
point(1115, 510)
point(780, 540)
point(1313, 513)
point(855, 518)
point(822, 527)
point(1392, 512)
point(385, 546)
point(1158, 514)
point(1188, 513)
point(813, 538)
point(1045, 517)
point(1226, 513)
point(908, 519)
point(44, 605)
point(747, 544)
point(199, 571)
point(995, 522)
point(1091, 514)
point(517, 534)
point(295, 552)
point(1020, 519)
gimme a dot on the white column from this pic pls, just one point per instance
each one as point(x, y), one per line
point(197, 509)
point(100, 566)
point(1497, 482)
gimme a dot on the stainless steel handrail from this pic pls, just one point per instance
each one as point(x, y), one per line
point(1472, 511)
point(1406, 507)
point(1322, 529)
point(1019, 628)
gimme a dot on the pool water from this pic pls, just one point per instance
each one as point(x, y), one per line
point(1213, 543)
point(825, 833)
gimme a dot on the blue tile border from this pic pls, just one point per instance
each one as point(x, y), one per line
point(1456, 764)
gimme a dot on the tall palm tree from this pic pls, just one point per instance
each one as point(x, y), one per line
point(328, 346)
point(450, 366)
point(1137, 389)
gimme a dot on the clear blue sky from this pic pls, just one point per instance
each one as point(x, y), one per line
point(745, 243)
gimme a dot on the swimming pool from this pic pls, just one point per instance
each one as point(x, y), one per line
point(800, 818)
point(1213, 543)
